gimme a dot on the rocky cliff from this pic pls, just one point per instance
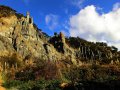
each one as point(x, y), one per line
point(29, 58)
point(19, 34)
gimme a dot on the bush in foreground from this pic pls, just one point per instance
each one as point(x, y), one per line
point(33, 85)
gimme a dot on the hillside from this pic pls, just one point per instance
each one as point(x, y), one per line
point(27, 53)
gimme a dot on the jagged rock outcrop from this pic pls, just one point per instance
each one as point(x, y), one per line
point(89, 51)
point(19, 34)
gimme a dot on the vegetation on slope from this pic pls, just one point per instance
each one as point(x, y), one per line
point(37, 73)
point(51, 75)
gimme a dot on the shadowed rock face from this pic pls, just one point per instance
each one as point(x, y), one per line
point(98, 51)
point(19, 34)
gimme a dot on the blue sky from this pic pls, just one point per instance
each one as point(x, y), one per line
point(67, 16)
point(63, 9)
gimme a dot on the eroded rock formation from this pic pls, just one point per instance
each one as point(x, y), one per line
point(19, 34)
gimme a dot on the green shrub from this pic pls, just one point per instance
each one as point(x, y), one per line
point(53, 85)
point(33, 85)
point(12, 83)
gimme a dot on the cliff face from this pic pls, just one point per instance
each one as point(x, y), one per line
point(19, 34)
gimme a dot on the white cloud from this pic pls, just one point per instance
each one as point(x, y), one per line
point(51, 21)
point(77, 3)
point(116, 44)
point(116, 6)
point(91, 25)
